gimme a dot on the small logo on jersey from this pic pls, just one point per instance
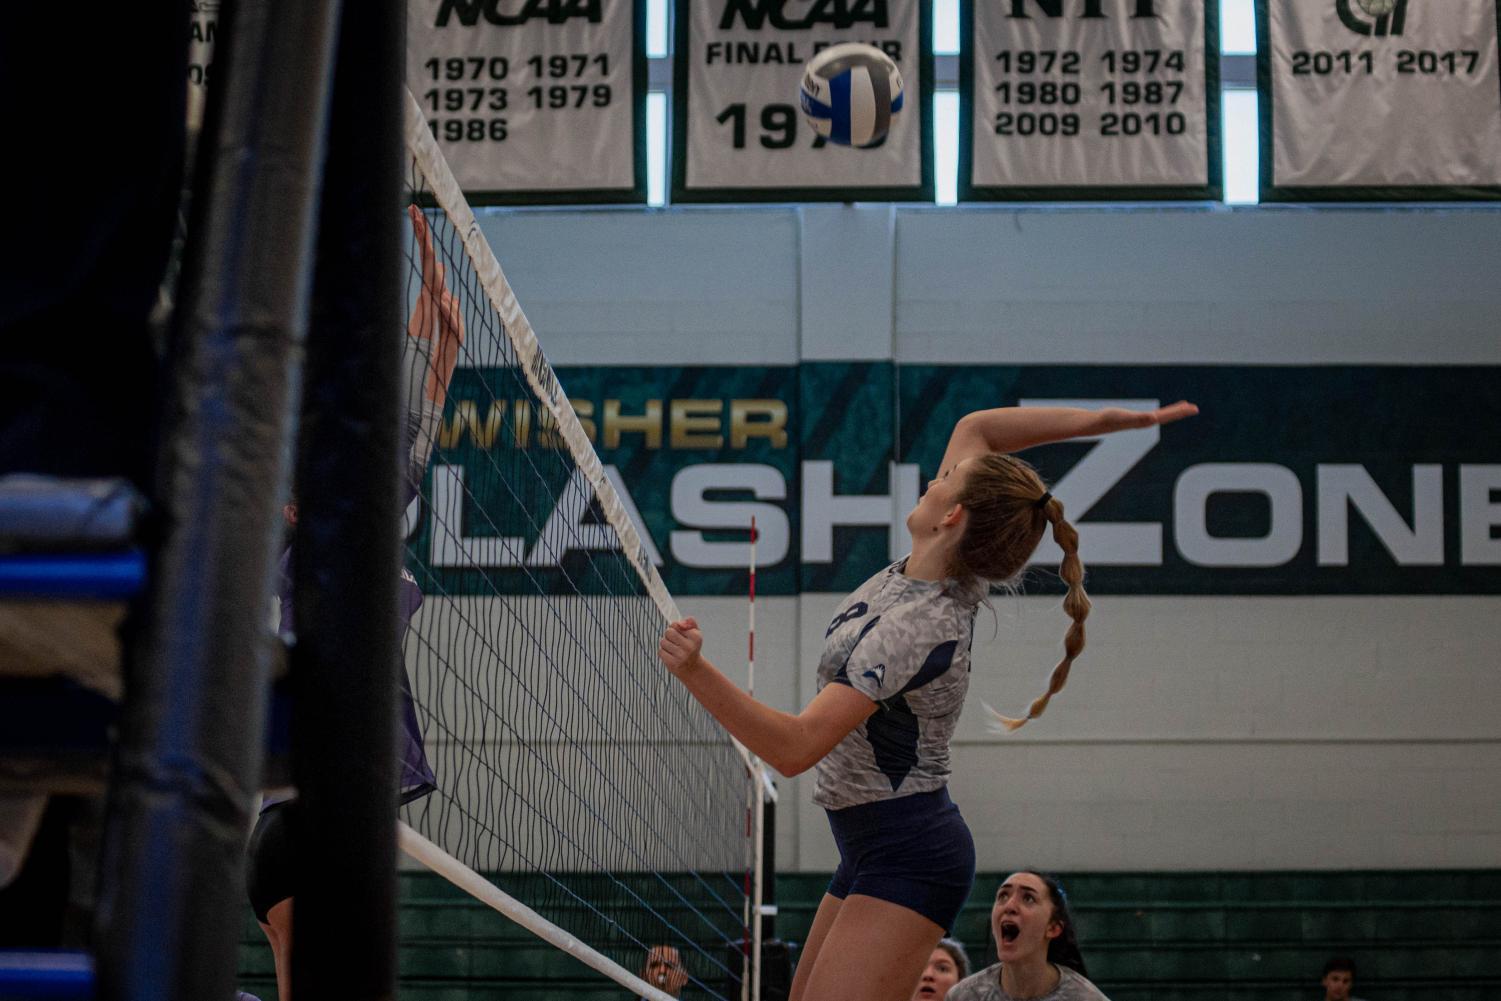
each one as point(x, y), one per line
point(856, 610)
point(1378, 18)
point(406, 575)
point(876, 674)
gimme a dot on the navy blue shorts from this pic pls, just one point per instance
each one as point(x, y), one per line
point(915, 851)
point(268, 859)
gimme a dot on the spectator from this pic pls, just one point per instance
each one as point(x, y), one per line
point(1036, 945)
point(948, 965)
point(1339, 979)
point(664, 970)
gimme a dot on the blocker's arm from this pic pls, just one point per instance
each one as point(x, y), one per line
point(790, 744)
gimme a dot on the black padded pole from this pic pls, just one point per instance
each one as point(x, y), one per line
point(768, 866)
point(347, 556)
point(188, 763)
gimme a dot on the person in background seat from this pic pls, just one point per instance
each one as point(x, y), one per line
point(948, 965)
point(1339, 979)
point(664, 970)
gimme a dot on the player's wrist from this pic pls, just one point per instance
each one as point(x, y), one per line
point(691, 666)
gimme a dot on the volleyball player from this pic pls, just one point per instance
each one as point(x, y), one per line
point(891, 683)
point(1037, 949)
point(435, 332)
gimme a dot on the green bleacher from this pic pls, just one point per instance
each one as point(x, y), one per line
point(1416, 935)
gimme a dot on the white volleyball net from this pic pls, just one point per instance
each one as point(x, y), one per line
point(579, 789)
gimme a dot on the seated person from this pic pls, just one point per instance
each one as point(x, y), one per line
point(664, 970)
point(1339, 979)
point(1036, 944)
point(948, 965)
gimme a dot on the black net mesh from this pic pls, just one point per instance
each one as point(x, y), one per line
point(569, 768)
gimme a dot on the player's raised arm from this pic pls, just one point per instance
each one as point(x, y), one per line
point(1011, 429)
point(436, 315)
point(435, 333)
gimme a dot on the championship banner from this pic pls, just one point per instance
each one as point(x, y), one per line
point(534, 101)
point(1294, 480)
point(1395, 100)
point(1066, 100)
point(738, 133)
point(202, 30)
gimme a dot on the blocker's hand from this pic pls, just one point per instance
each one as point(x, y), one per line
point(435, 313)
point(680, 646)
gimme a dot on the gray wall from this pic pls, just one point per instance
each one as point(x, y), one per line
point(1225, 732)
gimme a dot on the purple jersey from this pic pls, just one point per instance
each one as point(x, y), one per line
point(423, 393)
point(416, 778)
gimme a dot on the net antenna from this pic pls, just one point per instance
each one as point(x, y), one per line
point(760, 791)
point(580, 791)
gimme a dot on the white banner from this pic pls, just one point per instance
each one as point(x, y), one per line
point(1379, 99)
point(1090, 99)
point(738, 133)
point(534, 100)
point(203, 29)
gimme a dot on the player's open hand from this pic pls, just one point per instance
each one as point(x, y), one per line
point(1117, 419)
point(680, 646)
point(1174, 412)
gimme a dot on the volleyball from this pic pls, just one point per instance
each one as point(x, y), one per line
point(851, 93)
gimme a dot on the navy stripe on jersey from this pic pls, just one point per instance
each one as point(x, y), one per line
point(843, 675)
point(893, 731)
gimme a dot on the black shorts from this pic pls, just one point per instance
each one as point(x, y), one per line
point(268, 859)
point(914, 851)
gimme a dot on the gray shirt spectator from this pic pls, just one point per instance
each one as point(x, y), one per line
point(986, 986)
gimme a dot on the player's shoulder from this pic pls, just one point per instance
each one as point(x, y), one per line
point(931, 607)
point(981, 986)
point(1075, 986)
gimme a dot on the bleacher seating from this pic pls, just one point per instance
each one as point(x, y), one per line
point(1234, 936)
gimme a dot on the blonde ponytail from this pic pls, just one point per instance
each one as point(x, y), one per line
point(1075, 606)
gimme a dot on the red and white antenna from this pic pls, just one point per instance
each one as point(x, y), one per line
point(750, 676)
point(755, 818)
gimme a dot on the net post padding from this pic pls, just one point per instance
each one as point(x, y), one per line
point(471, 882)
point(188, 759)
point(346, 560)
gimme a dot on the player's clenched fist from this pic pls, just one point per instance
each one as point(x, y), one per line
point(680, 645)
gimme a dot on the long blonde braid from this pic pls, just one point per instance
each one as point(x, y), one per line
point(1009, 509)
point(1075, 605)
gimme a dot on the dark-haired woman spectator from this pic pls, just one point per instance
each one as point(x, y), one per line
point(1038, 951)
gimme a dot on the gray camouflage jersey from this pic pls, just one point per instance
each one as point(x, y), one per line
point(986, 986)
point(904, 643)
